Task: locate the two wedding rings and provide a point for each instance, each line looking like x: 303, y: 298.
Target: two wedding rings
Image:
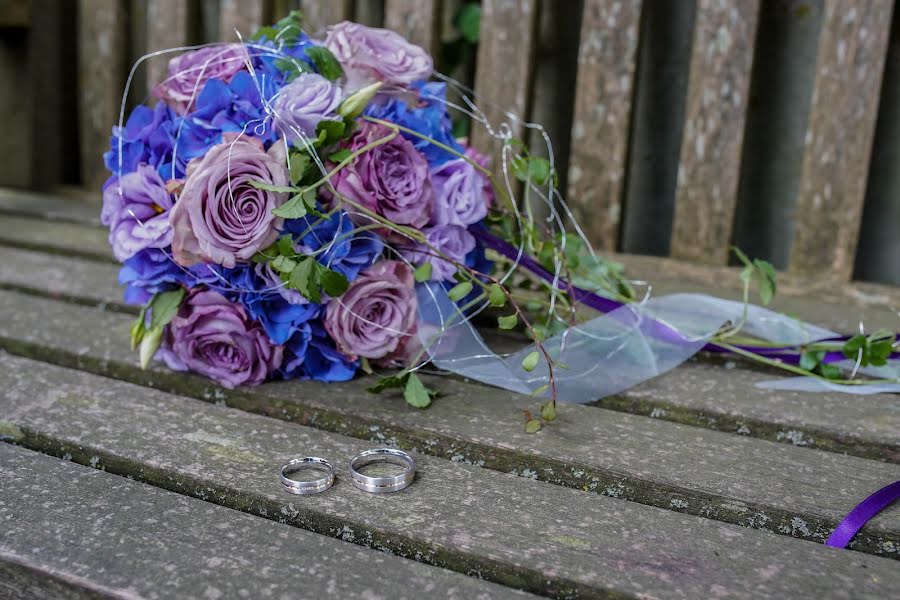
x: 366, y: 483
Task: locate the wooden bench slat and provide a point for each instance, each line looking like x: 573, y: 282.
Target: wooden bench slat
x: 721, y: 476
x: 104, y: 534
x: 59, y: 237
x: 50, y: 207
x: 709, y: 167
x: 416, y: 20
x: 601, y: 123
x: 245, y: 16
x: 726, y: 401
x: 102, y: 58
x: 504, y: 68
x: 319, y: 14
x: 167, y: 27
x: 528, y: 534
x: 852, y: 50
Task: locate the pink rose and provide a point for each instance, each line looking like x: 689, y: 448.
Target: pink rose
x: 369, y: 54
x: 376, y: 317
x: 220, y: 216
x: 189, y: 72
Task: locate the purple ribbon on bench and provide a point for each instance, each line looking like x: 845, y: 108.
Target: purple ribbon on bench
x: 860, y: 515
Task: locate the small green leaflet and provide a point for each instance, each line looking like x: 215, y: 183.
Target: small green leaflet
x: 269, y: 187
x: 164, y: 307
x: 333, y: 283
x: 532, y: 426
x: 460, y: 291
x: 138, y: 327
x: 386, y: 383
x: 496, y: 295
x: 508, y: 322
x: 531, y: 361
x: 548, y: 411
x: 423, y: 272
x: 340, y: 155
x: 311, y: 278
x: 283, y: 264
x: 325, y: 62
x: 763, y: 271
x: 870, y: 350
x: 468, y: 21
x: 329, y: 132
x: 535, y: 169
x: 298, y: 206
x: 299, y: 162
x: 415, y: 393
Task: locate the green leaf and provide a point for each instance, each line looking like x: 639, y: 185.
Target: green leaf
x: 548, y: 411
x: 415, y: 392
x: 283, y: 264
x: 299, y: 162
x: 303, y: 279
x: 880, y: 351
x: 295, y: 208
x: 389, y: 382
x: 138, y: 327
x: 340, y: 155
x: 149, y: 345
x: 329, y: 132
x: 423, y: 272
x: 854, y: 345
x: 539, y: 170
x: 531, y: 361
x: 268, y: 187
x: 540, y: 390
x: 333, y: 283
x: 809, y: 359
x: 285, y: 246
x: 460, y: 291
x: 496, y: 295
x: 508, y: 322
x: 468, y: 21
x: 829, y: 371
x: 741, y: 256
x: 532, y: 426
x: 325, y: 62
x: 164, y: 307
x: 767, y: 287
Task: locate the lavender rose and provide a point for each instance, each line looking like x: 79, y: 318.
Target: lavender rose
x: 303, y: 103
x: 216, y: 338
x: 459, y: 194
x: 452, y: 241
x: 376, y: 317
x: 189, y: 72
x: 135, y: 207
x: 391, y: 179
x: 220, y: 216
x: 369, y: 54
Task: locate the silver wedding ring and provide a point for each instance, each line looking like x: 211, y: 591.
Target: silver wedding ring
x: 382, y: 485
x: 312, y: 486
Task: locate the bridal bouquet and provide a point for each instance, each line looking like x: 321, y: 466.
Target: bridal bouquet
x: 300, y: 208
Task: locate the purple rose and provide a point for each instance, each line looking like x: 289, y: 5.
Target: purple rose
x: 452, y: 241
x: 376, y: 317
x: 459, y: 194
x: 303, y: 103
x: 135, y: 207
x: 369, y: 54
x: 391, y: 179
x: 214, y: 337
x: 189, y: 72
x: 219, y: 216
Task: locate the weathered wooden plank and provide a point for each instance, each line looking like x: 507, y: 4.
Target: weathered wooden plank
x: 17, y: 105
x: 600, y: 129
x: 709, y: 166
x: 59, y: 237
x: 119, y: 538
x: 852, y: 52
x: 698, y: 393
x: 15, y: 13
x: 102, y: 58
x: 742, y: 480
x: 243, y: 16
x: 528, y: 534
x: 504, y: 69
x: 167, y: 27
x: 319, y: 14
x: 54, y: 208
x: 417, y: 20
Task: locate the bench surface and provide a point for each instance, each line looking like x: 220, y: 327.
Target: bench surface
x: 120, y: 482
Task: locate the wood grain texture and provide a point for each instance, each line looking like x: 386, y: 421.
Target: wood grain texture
x: 715, y: 113
x: 245, y: 16
x: 167, y: 27
x: 743, y: 481
x: 600, y: 128
x: 504, y: 68
x: 528, y: 534
x: 416, y: 20
x: 102, y: 56
x: 102, y: 533
x: 319, y: 14
x: 852, y: 52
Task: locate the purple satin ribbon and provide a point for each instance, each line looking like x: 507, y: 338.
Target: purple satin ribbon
x: 787, y: 354
x: 860, y: 515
